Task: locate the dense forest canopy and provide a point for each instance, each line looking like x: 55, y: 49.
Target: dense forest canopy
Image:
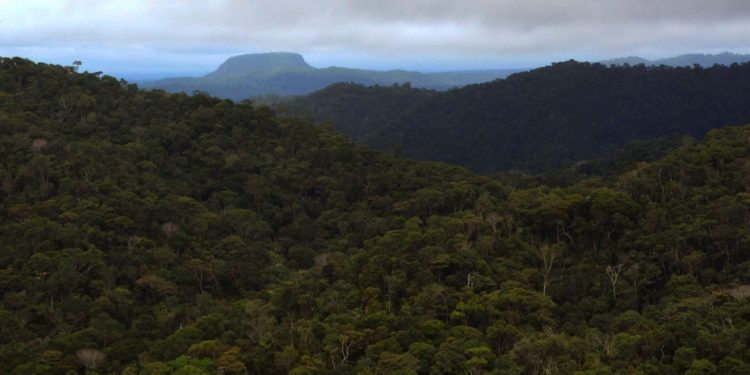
x: 541, y: 119
x: 151, y: 233
x: 356, y: 110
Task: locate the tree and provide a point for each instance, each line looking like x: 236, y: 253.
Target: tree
x: 340, y: 344
x: 259, y: 323
x: 613, y: 273
x: 548, y: 255
x: 231, y: 363
x: 90, y: 358
x: 75, y: 66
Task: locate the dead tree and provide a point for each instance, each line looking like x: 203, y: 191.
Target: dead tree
x: 548, y: 255
x: 90, y: 358
x: 614, y: 273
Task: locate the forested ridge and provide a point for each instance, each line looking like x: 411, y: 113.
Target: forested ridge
x: 356, y: 110
x: 151, y: 233
x: 541, y: 119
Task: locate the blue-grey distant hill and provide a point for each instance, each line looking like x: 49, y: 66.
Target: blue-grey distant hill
x: 690, y: 59
x: 282, y: 73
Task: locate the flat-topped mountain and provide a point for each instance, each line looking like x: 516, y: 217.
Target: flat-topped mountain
x: 690, y: 59
x: 259, y: 64
x: 283, y: 73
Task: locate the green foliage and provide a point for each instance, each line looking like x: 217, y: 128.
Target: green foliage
x: 148, y: 233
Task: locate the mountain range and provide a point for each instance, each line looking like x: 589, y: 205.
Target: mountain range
x: 283, y: 73
x: 690, y: 59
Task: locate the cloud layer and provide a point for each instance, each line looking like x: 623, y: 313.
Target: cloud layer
x: 381, y: 33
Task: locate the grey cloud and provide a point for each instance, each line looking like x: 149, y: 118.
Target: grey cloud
x: 500, y: 28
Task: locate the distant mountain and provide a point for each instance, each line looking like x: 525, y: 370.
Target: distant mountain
x: 282, y: 73
x: 259, y: 65
x: 630, y: 60
x: 455, y: 79
x: 540, y: 119
x: 705, y: 60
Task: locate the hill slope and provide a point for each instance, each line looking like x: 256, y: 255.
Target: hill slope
x: 147, y: 233
x: 356, y: 110
x: 245, y: 76
x: 539, y: 119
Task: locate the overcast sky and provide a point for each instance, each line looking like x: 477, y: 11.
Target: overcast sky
x: 150, y: 38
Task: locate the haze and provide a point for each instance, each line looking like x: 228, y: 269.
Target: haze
x: 150, y: 39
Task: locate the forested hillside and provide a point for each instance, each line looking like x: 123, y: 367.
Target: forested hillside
x: 151, y: 233
x: 540, y: 119
x: 356, y: 110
